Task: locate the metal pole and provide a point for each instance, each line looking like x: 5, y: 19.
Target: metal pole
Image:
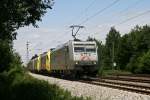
x: 27, y: 45
x: 113, y: 54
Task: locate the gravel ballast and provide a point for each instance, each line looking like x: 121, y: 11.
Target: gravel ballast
x: 93, y: 91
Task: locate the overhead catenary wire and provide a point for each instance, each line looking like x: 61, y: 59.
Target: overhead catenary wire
x: 54, y: 40
x: 100, y: 11
x: 64, y: 36
x: 124, y: 21
x: 130, y: 6
x: 83, y: 11
x: 61, y: 37
x: 133, y: 17
x: 92, y: 3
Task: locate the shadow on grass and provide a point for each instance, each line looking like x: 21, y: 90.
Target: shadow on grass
x: 29, y: 88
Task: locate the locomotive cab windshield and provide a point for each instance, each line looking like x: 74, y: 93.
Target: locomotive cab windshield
x: 85, y: 52
x: 79, y: 49
x: 85, y: 48
x: 91, y: 50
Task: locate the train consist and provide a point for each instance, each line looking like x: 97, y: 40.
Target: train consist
x: 74, y: 58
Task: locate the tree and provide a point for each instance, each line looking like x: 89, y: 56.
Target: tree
x: 111, y: 47
x: 124, y: 52
x: 132, y: 46
x: 15, y: 14
x: 144, y: 63
x: 100, y: 51
x: 90, y: 39
x: 19, y: 13
x: 6, y: 55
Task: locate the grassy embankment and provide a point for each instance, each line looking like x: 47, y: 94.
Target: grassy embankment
x: 18, y: 85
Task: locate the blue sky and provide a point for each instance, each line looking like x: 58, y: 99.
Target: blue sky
x: 54, y: 28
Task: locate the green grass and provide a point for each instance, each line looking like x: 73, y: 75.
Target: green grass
x: 39, y: 90
x: 20, y: 86
x: 114, y: 72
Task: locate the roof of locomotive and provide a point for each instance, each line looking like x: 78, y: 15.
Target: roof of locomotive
x: 74, y: 42
x: 84, y: 42
x: 65, y: 44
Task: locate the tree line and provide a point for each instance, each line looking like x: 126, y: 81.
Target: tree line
x: 129, y: 52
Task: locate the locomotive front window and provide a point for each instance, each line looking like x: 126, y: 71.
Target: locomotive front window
x: 90, y: 50
x: 79, y: 49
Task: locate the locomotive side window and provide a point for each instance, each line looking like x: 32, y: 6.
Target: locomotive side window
x: 90, y: 49
x: 79, y: 49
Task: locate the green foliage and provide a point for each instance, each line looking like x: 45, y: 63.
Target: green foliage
x: 19, y: 13
x: 100, y: 56
x: 13, y: 73
x: 14, y: 83
x: 132, y: 48
x: 144, y: 63
x: 24, y: 87
x: 115, y: 72
x: 6, y: 55
x: 4, y: 87
x: 111, y: 48
x: 128, y: 50
x: 33, y: 89
x: 124, y: 52
x: 141, y: 64
x: 16, y: 14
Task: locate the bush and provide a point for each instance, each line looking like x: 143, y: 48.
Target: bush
x: 132, y: 65
x: 16, y: 84
x: 5, y: 55
x: 33, y: 89
x: 24, y: 87
x: 144, y: 64
x: 4, y: 87
x: 141, y: 64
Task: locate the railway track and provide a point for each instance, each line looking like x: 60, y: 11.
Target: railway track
x: 129, y: 78
x: 127, y: 85
x: 133, y: 84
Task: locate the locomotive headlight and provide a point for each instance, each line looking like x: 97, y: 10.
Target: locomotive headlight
x: 76, y: 62
x: 94, y: 62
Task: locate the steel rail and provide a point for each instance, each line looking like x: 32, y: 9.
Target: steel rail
x: 122, y: 86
